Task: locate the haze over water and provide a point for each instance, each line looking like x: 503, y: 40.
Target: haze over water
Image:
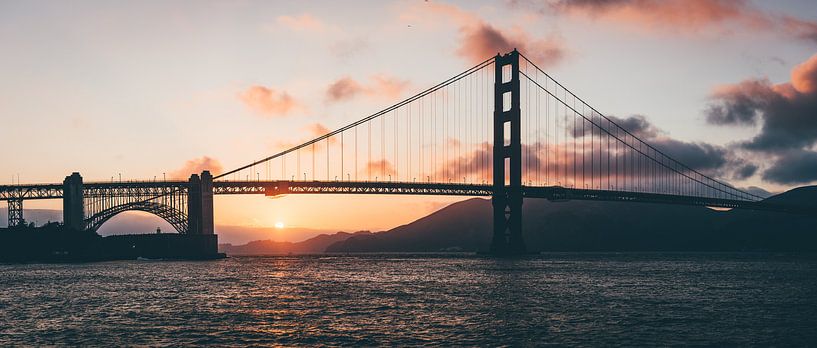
x: 570, y: 298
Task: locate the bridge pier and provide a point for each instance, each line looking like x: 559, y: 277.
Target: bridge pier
x: 73, y: 205
x: 200, y: 204
x: 507, y: 151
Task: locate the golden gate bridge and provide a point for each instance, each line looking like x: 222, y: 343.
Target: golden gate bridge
x: 503, y: 129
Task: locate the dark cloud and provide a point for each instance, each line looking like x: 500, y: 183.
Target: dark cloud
x: 740, y: 104
x: 745, y: 171
x: 637, y: 125
x: 793, y: 168
x: 787, y: 113
x: 788, y: 116
x: 706, y: 158
x: 703, y: 157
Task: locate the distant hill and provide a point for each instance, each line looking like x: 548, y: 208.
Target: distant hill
x: 38, y: 216
x: 604, y: 226
x: 312, y: 245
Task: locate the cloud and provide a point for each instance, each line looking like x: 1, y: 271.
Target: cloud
x: 379, y: 86
x: 473, y: 164
x: 787, y: 115
x: 739, y: 104
x: 313, y: 130
x: 269, y: 102
x: 342, y: 89
x: 793, y: 168
x: 480, y: 40
x: 746, y: 171
x: 558, y: 159
x: 699, y: 156
x: 703, y: 157
x: 305, y: 22
x: 196, y: 166
x: 637, y: 125
x: 787, y: 111
x: 317, y: 129
x: 689, y: 16
x: 380, y: 170
x: 806, y: 30
x: 706, y: 158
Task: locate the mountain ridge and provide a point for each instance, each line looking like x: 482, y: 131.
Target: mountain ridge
x: 604, y: 226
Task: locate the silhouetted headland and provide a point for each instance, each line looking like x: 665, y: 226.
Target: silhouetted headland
x: 54, y: 242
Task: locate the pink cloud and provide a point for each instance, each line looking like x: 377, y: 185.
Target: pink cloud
x: 379, y: 86
x: 196, y: 166
x: 317, y: 129
x: 342, y: 89
x: 689, y: 16
x: 804, y: 76
x: 268, y: 101
x: 480, y: 40
x: 379, y: 170
x: 313, y: 131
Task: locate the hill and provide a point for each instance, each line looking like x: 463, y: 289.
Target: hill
x: 604, y: 226
x: 312, y: 245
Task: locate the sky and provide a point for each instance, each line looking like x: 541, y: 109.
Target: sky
x: 167, y: 88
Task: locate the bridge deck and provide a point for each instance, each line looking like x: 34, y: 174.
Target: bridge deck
x: 275, y: 188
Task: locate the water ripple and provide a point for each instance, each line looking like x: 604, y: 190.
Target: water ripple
x: 562, y: 299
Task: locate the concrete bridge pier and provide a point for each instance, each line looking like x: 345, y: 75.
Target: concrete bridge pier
x: 200, y: 204
x: 73, y: 207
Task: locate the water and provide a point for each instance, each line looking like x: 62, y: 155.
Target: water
x: 562, y: 299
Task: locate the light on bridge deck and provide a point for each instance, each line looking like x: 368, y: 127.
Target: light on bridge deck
x: 276, y: 190
x: 719, y: 208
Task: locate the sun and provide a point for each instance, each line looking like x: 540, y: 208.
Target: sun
x: 279, y: 224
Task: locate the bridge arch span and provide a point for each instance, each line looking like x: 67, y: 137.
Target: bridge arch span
x: 173, y: 216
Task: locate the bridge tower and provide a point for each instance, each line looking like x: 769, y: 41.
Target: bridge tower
x: 73, y: 208
x: 507, y: 157
x: 200, y: 204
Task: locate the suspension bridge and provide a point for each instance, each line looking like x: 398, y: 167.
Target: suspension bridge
x: 503, y: 129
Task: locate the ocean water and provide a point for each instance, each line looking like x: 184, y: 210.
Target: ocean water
x: 561, y: 299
